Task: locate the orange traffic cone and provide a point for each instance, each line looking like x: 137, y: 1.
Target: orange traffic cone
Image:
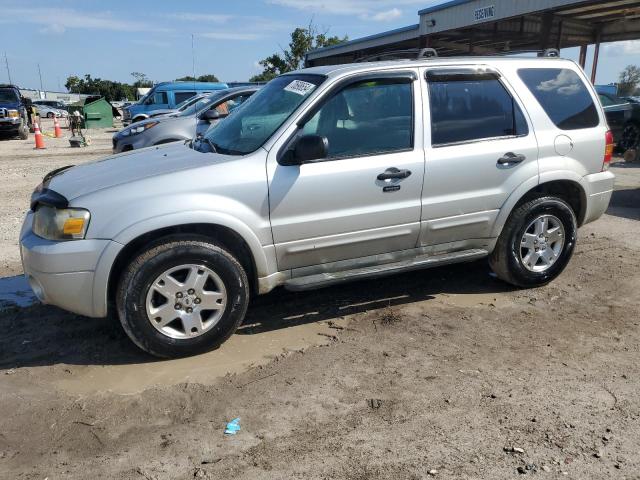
x: 39, y: 139
x: 56, y: 128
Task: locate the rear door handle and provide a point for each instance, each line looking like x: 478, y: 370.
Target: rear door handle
x: 393, y: 173
x: 511, y: 158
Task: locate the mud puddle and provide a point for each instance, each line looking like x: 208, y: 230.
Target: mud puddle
x: 236, y: 355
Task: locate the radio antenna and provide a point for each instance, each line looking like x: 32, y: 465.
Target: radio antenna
x: 193, y: 74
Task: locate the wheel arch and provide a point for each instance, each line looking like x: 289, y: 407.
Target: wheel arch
x: 568, y: 187
x: 224, y: 236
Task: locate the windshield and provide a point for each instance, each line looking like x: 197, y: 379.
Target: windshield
x: 189, y: 101
x: 8, y: 96
x: 251, y: 126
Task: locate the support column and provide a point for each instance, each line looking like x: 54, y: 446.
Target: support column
x: 583, y: 56
x: 596, y: 56
x: 545, y: 30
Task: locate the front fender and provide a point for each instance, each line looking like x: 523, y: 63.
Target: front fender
x: 264, y: 265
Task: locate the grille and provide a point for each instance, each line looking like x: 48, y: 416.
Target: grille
x: 3, y: 112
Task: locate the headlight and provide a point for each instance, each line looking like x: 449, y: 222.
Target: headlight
x: 13, y: 114
x: 138, y: 129
x: 60, y: 224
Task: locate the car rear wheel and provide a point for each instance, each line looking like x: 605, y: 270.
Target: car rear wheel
x: 630, y: 138
x: 49, y: 115
x: 182, y: 297
x: 536, y: 243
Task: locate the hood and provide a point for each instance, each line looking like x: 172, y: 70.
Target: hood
x: 10, y: 105
x: 129, y: 167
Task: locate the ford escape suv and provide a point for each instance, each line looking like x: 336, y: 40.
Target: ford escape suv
x: 326, y: 175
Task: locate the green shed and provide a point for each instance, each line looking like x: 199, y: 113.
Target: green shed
x: 97, y: 113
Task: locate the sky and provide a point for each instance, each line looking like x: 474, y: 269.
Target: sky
x: 111, y: 39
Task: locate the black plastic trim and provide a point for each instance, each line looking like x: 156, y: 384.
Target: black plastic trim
x: 48, y: 197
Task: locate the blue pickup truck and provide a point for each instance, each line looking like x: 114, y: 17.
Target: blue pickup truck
x: 14, y: 120
x: 167, y: 95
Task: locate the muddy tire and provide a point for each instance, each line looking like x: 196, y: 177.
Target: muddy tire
x: 23, y: 133
x: 182, y: 297
x: 536, y: 243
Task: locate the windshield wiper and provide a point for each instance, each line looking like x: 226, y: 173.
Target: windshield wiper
x: 213, y: 146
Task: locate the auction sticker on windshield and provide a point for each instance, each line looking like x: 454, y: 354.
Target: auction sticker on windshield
x: 299, y: 87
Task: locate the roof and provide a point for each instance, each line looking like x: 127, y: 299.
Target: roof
x: 408, y: 28
x: 189, y: 84
x: 333, y: 70
x: 442, y: 6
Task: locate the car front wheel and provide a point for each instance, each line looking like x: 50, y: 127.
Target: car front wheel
x: 536, y: 243
x: 182, y: 297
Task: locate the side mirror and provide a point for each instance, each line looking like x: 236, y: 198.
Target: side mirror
x: 307, y: 149
x: 211, y: 114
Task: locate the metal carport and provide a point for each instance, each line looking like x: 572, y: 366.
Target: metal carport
x: 481, y: 27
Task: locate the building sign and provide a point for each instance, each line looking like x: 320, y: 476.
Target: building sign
x: 484, y: 13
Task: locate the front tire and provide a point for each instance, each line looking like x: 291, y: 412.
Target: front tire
x: 536, y: 243
x: 182, y: 297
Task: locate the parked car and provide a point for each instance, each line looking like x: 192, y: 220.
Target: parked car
x: 326, y: 175
x: 51, y: 103
x: 167, y: 95
x: 189, y: 123
x: 624, y: 120
x: 13, y: 112
x: 50, y: 112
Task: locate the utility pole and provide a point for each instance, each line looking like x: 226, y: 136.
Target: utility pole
x: 6, y: 61
x: 40, y: 74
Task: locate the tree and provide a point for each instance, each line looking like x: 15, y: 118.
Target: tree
x: 96, y: 86
x: 202, y: 78
x: 302, y: 41
x: 629, y: 80
x: 142, y: 81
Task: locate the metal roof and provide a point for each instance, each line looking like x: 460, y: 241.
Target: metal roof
x: 442, y: 6
x: 455, y: 28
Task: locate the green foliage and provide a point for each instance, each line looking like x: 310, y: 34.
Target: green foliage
x: 302, y: 41
x: 202, y: 78
x: 96, y: 86
x: 629, y: 80
x: 142, y: 81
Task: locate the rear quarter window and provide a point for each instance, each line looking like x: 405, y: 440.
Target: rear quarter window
x: 563, y: 96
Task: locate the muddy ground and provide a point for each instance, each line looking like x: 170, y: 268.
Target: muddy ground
x: 434, y: 374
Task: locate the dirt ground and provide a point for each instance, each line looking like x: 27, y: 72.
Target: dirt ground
x: 444, y: 373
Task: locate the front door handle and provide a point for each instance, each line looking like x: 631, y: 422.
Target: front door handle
x: 393, y: 173
x: 511, y: 158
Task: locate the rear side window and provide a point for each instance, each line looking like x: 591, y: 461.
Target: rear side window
x: 466, y: 108
x: 182, y: 96
x: 563, y: 96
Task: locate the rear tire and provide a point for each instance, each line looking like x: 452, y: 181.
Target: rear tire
x: 527, y: 253
x: 182, y: 297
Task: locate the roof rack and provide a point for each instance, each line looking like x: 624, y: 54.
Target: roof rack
x: 427, y: 53
x: 409, y: 54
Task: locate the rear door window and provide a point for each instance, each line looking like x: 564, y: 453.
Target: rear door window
x: 468, y: 107
x: 563, y: 96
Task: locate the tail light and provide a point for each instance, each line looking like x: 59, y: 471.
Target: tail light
x: 608, y: 150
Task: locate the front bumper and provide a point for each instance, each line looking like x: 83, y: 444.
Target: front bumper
x: 66, y: 274
x: 7, y: 124
x: 598, y: 189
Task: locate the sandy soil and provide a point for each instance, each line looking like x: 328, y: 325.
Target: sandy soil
x: 444, y: 371
x: 22, y: 168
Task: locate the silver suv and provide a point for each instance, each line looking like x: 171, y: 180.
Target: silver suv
x: 326, y: 175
